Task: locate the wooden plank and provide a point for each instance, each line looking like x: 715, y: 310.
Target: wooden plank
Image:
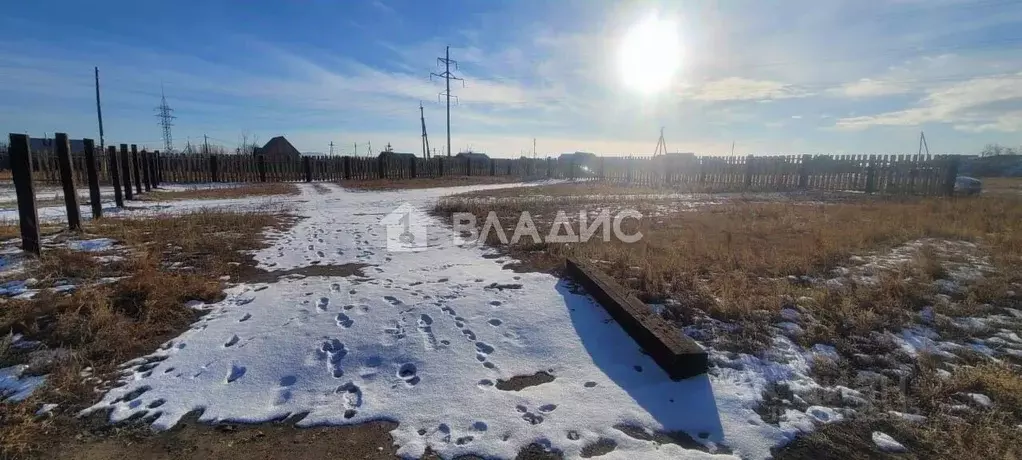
x: 145, y: 171
x: 93, y: 178
x: 21, y: 170
x: 126, y: 172
x: 136, y: 170
x: 676, y: 354
x: 67, y: 180
x: 115, y: 175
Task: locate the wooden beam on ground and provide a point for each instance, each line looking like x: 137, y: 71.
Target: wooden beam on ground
x: 679, y: 356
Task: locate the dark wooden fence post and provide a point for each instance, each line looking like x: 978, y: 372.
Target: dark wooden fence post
x: 115, y: 176
x: 380, y: 169
x: 347, y: 168
x: 145, y: 171
x: 261, y: 165
x: 803, y: 172
x: 67, y: 180
x: 468, y: 165
x: 93, y: 176
x: 952, y: 175
x: 748, y: 171
x: 21, y: 170
x: 307, y: 168
x: 153, y: 166
x: 214, y: 172
x: 549, y: 167
x: 871, y: 175
x: 413, y: 167
x: 493, y: 167
x: 441, y: 166
x: 136, y: 170
x: 158, y: 162
x: 126, y: 172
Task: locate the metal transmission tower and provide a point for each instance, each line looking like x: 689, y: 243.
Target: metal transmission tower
x: 446, y: 61
x: 425, y: 139
x: 922, y: 144
x: 661, y: 146
x: 163, y: 112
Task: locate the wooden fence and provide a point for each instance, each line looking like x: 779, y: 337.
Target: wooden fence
x: 132, y: 172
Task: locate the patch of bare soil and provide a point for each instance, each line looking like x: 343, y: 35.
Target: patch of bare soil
x: 253, y: 274
x: 521, y: 382
x: 191, y: 439
x: 320, y: 188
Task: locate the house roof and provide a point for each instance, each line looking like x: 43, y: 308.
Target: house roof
x: 279, y: 145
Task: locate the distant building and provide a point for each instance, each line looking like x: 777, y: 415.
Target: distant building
x: 390, y: 153
x: 279, y: 149
x: 474, y: 156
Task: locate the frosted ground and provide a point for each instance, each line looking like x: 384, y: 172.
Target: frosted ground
x: 425, y: 338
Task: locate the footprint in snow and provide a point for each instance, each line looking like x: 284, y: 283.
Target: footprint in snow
x: 236, y: 373
x: 407, y: 373
x: 344, y: 321
x: 245, y: 318
x: 351, y: 395
x: 393, y: 300
x: 469, y: 334
x: 484, y: 348
x: 336, y: 287
x: 323, y: 303
x: 230, y: 343
x: 495, y: 322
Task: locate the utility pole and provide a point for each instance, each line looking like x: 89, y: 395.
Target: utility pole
x: 447, y: 76
x: 331, y: 148
x: 99, y: 112
x: 205, y: 144
x: 369, y: 151
x: 163, y: 112
x: 661, y: 146
x: 425, y: 139
x: 534, y: 148
x: 922, y: 143
x: 732, y: 148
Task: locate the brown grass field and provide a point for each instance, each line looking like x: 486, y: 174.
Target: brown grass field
x: 104, y: 324
x: 741, y: 259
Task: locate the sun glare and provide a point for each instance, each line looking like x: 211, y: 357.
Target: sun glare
x: 650, y: 54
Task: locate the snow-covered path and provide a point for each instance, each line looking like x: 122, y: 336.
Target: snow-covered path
x: 421, y: 340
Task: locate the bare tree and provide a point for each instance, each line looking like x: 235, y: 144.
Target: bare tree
x: 991, y: 150
x: 249, y: 144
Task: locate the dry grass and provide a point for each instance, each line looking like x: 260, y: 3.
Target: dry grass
x: 742, y: 259
x: 242, y: 191
x: 102, y: 325
x: 449, y: 181
x: 1003, y: 185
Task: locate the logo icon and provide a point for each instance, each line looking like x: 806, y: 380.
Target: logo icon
x: 406, y: 229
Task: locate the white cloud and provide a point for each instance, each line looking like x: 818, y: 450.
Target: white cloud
x: 868, y: 87
x: 742, y: 89
x: 974, y: 105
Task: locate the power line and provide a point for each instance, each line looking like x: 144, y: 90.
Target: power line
x: 447, y: 76
x: 164, y: 114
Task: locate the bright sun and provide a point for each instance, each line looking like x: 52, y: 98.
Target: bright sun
x: 650, y: 54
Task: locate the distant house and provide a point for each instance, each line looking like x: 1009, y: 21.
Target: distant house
x: 391, y: 154
x: 279, y: 149
x: 577, y: 158
x: 474, y: 156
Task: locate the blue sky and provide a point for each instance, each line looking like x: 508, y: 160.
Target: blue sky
x: 791, y: 76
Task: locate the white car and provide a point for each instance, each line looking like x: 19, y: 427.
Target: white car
x: 965, y: 185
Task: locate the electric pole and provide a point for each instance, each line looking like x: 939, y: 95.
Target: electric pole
x: 447, y: 76
x: 425, y: 139
x: 164, y: 114
x: 534, y: 148
x: 922, y: 143
x: 99, y: 112
x: 205, y: 144
x: 661, y: 146
x: 369, y: 151
x: 331, y: 148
